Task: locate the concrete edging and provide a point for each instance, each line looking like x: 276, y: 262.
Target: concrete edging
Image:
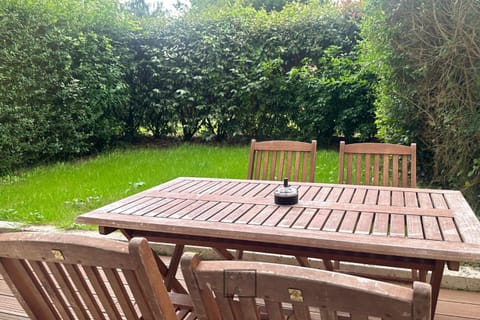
x: 468, y: 278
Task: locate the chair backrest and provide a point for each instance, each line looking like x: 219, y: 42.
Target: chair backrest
x: 380, y: 164
x: 279, y: 159
x: 66, y: 276
x: 256, y: 290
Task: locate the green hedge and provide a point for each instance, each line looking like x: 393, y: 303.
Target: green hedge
x: 77, y: 76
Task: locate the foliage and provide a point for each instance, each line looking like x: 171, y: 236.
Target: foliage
x: 60, y: 79
x: 80, y: 76
x: 427, y: 55
x: 227, y: 70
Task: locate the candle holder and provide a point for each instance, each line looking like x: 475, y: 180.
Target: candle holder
x: 286, y: 195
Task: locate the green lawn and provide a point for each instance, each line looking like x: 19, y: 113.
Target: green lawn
x: 56, y: 194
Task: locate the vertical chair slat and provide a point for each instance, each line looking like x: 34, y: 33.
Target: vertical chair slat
x: 386, y: 169
x: 376, y: 169
x: 305, y: 166
x: 248, y: 309
x: 349, y: 168
x: 274, y: 309
x: 258, y: 166
x: 281, y: 165
x: 301, y: 312
x: 368, y: 168
x: 137, y: 290
x: 121, y: 293
x: 395, y: 170
x: 296, y: 170
x: 358, y: 171
x: 405, y: 173
x: 68, y: 290
x: 264, y: 169
x: 98, y: 283
x: 27, y: 289
x: 289, y: 164
x: 42, y: 273
x: 272, y: 165
x: 77, y: 277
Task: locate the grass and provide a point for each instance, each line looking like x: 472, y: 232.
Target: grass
x: 56, y: 194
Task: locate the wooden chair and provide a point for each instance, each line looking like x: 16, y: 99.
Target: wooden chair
x: 279, y: 159
x: 255, y: 290
x: 66, y: 276
x: 381, y: 164
x: 378, y: 164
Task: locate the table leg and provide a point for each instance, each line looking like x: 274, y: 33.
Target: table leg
x: 169, y: 273
x: 435, y: 282
x: 173, y: 266
x: 225, y: 254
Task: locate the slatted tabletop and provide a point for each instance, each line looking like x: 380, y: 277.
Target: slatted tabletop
x: 423, y: 223
x: 402, y: 227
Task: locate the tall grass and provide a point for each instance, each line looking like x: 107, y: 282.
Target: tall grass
x: 56, y: 194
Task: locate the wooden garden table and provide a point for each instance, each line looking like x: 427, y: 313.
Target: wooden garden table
x: 419, y: 229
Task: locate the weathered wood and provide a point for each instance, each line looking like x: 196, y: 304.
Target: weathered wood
x: 225, y: 288
x: 279, y: 159
x: 392, y: 165
x: 67, y: 276
x: 393, y: 226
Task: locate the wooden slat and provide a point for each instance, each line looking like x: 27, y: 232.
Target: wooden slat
x: 414, y: 227
x: 224, y: 212
x: 452, y: 305
x: 304, y: 220
x: 448, y: 229
x: 431, y: 228
x: 349, y: 222
x: 212, y: 211
x: 62, y: 278
x: 290, y: 217
x: 365, y: 223
x: 334, y: 220
x: 250, y: 214
x: 319, y: 220
x: 190, y: 205
x: 397, y: 225
x: 77, y: 277
x: 240, y: 211
x: 380, y: 225
x: 275, y: 218
x: 263, y: 215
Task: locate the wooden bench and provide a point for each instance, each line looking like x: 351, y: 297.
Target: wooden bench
x: 67, y: 276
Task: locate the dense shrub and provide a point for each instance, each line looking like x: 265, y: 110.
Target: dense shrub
x: 228, y: 71
x: 60, y: 80
x: 427, y: 55
x: 76, y: 76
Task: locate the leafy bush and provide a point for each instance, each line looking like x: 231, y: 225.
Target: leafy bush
x: 81, y: 75
x: 60, y: 80
x: 426, y: 54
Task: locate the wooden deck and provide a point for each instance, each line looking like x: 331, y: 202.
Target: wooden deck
x: 452, y: 305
